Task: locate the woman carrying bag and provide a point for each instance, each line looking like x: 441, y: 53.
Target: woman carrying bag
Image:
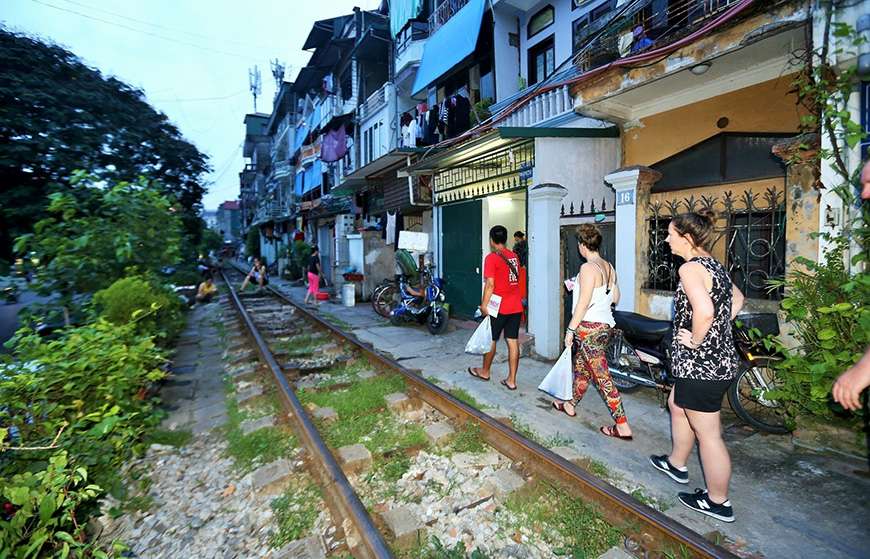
x: 589, y: 333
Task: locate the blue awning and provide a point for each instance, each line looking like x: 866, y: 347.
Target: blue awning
x: 452, y: 42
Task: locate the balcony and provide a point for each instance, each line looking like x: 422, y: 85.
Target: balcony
x: 376, y: 101
x: 269, y: 211
x: 443, y: 13
x: 539, y: 109
x: 661, y: 27
x: 409, y: 45
x: 281, y: 170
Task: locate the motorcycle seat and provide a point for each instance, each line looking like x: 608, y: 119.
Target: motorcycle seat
x: 642, y: 327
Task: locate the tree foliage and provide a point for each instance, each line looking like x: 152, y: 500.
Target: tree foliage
x: 58, y: 115
x: 96, y: 234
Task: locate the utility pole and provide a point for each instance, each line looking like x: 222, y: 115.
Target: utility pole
x: 277, y: 73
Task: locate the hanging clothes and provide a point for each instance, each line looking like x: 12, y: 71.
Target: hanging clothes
x: 461, y: 114
x: 392, y: 236
x: 430, y: 135
x: 399, y: 226
x: 334, y: 145
x: 382, y: 225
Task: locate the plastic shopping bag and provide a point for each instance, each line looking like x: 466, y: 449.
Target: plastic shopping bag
x: 481, y: 340
x: 559, y: 382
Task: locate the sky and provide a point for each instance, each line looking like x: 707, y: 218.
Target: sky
x: 190, y: 57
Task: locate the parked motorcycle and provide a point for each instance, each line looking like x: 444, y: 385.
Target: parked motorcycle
x: 427, y: 305
x: 639, y: 355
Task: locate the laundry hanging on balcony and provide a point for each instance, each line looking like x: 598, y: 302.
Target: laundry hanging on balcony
x: 334, y: 145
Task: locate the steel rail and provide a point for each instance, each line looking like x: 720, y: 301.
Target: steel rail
x: 345, y: 504
x: 651, y: 530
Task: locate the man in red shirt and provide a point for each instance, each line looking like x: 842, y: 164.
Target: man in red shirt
x: 501, y: 270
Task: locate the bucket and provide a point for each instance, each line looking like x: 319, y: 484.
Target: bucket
x: 322, y: 296
x: 348, y: 294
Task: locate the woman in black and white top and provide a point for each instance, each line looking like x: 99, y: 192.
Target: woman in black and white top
x: 704, y: 363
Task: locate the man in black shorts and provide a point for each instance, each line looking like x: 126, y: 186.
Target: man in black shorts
x: 501, y: 272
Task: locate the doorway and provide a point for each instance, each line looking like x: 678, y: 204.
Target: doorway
x: 462, y: 256
x: 571, y: 259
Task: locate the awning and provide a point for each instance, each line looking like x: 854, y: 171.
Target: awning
x: 376, y: 170
x: 453, y: 41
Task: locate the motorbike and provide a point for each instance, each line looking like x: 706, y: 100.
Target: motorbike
x: 639, y: 355
x: 427, y: 306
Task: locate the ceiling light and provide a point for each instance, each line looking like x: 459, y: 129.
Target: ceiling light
x: 699, y: 69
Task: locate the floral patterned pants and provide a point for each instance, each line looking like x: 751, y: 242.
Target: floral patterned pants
x: 590, y: 365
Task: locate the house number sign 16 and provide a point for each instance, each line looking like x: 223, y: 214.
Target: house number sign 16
x: 625, y: 197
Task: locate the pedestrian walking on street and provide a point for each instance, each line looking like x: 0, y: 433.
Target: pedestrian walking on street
x: 595, y: 289
x: 314, y: 274
x: 521, y: 248
x: 704, y: 363
x: 501, y: 301
x: 257, y: 275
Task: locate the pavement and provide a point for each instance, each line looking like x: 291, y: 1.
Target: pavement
x: 788, y: 501
x: 194, y: 395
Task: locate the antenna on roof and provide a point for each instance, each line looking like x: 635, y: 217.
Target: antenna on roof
x: 255, y: 84
x: 278, y: 73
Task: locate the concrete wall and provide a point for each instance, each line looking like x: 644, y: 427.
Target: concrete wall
x: 507, y: 66
x: 578, y: 164
x: 765, y: 107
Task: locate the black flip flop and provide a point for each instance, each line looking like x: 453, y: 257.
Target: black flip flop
x: 475, y: 375
x: 560, y: 406
x: 506, y: 385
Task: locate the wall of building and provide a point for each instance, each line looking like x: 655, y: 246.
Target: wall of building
x: 507, y: 73
x: 578, y: 164
x: 765, y: 107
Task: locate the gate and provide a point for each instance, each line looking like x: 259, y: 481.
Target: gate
x: 462, y: 255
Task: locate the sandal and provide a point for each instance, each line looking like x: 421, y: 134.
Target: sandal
x: 611, y: 431
x: 477, y: 376
x: 506, y: 385
x: 560, y: 406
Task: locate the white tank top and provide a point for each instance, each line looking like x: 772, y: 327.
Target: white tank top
x: 599, y: 306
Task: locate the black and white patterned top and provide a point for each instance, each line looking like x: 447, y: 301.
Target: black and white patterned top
x: 716, y: 357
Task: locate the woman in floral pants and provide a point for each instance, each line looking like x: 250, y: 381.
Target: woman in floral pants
x: 589, y: 332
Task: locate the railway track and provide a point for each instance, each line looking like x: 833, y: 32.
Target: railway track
x: 645, y: 531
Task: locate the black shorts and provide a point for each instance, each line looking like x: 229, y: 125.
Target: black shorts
x: 700, y: 395
x: 507, y: 323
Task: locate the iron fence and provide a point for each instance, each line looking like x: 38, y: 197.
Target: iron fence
x: 751, y: 226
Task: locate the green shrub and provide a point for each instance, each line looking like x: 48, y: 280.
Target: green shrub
x: 829, y: 311
x: 252, y: 243
x: 73, y: 410
x: 299, y: 253
x: 127, y: 299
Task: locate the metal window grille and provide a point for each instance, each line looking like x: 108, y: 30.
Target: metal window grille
x: 751, y: 226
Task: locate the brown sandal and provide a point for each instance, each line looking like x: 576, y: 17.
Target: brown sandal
x: 560, y: 406
x: 611, y: 431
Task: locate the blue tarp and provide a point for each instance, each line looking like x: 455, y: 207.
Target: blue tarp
x: 313, y: 176
x: 401, y: 11
x: 452, y: 42
x: 297, y: 183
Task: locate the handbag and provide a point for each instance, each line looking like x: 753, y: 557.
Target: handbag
x: 559, y: 382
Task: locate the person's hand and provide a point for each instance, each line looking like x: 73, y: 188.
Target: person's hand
x: 483, y: 310
x: 685, y: 337
x: 847, y: 390
x: 569, y: 338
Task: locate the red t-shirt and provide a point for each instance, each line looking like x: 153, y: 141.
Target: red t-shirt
x: 507, y: 285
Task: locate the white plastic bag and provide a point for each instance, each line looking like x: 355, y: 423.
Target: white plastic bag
x: 481, y: 340
x: 559, y: 382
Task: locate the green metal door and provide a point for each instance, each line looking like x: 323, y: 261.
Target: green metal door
x: 461, y: 252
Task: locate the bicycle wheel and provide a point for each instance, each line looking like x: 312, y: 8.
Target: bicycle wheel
x: 747, y: 398
x: 385, y: 300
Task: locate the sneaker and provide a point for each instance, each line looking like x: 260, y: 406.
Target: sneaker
x: 662, y: 464
x: 700, y: 502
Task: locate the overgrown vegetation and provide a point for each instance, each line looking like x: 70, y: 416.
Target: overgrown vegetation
x: 825, y: 304
x: 73, y: 411
x: 526, y: 430
x: 130, y: 297
x: 462, y: 394
x: 572, y: 527
x: 296, y: 510
x: 259, y: 447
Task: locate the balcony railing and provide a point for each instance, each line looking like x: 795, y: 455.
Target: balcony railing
x: 544, y: 107
x: 660, y: 27
x: 444, y: 12
x: 376, y: 101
